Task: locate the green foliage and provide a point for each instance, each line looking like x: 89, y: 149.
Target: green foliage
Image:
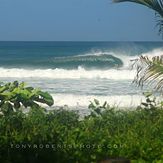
x: 14, y: 96
x: 60, y: 136
x: 97, y: 109
x: 150, y: 71
x: 150, y: 103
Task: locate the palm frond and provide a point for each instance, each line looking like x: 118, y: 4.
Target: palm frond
x: 150, y: 71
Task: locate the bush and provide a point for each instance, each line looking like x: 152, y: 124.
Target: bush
x: 61, y: 137
x: 15, y: 96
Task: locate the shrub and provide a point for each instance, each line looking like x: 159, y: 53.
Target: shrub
x: 14, y: 96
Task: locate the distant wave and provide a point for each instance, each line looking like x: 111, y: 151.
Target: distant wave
x: 104, y: 61
x: 101, y: 59
x: 114, y: 74
x: 92, y: 61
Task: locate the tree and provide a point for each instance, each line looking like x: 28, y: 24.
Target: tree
x: 150, y: 70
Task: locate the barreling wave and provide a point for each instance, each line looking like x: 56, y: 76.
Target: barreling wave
x: 92, y: 61
x: 104, y: 61
x: 114, y: 74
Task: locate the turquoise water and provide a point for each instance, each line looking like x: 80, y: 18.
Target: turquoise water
x: 66, y: 54
x: 77, y: 72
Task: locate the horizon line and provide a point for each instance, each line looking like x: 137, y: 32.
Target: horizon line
x: 80, y: 41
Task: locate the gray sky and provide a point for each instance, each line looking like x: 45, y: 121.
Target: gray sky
x: 75, y: 20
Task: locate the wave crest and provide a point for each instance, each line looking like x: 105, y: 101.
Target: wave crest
x: 103, y: 61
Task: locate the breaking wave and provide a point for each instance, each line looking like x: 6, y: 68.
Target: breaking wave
x: 119, y: 74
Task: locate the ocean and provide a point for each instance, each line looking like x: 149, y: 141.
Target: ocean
x: 75, y: 73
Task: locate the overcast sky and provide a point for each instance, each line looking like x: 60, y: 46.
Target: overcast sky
x: 75, y: 20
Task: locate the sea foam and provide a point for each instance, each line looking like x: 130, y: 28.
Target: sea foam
x: 113, y: 74
x: 80, y: 101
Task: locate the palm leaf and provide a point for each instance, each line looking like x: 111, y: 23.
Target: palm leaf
x: 150, y: 71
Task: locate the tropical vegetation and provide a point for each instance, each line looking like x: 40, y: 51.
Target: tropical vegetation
x: 63, y: 136
x: 16, y: 96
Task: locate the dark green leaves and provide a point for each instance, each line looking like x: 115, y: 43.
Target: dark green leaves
x: 13, y: 96
x: 97, y: 109
x: 44, y: 97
